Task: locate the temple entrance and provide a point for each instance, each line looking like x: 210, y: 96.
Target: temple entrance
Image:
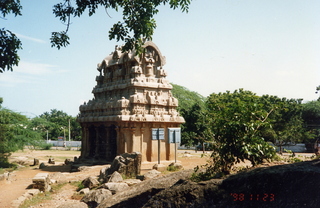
x: 92, y: 141
x: 102, y: 142
x: 111, y: 150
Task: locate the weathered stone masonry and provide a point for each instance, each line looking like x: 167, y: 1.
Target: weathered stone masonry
x: 131, y: 97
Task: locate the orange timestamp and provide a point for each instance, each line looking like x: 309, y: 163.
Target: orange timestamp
x: 265, y: 197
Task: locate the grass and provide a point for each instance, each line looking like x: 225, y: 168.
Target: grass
x: 39, y: 198
x: 77, y: 184
x: 42, y: 197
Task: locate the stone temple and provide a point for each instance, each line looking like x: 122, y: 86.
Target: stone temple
x: 132, y: 96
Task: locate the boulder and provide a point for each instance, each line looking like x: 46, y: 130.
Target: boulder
x: 90, y: 182
x: 95, y: 197
x: 128, y: 164
x: 58, y: 177
x: 115, y: 177
x: 103, y: 176
x: 115, y: 187
x: 151, y: 174
x: 138, y: 195
x: 131, y: 181
x: 41, y: 181
x: 84, y: 191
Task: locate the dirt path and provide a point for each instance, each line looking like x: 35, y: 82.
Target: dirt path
x: 20, y: 179
x: 15, y: 186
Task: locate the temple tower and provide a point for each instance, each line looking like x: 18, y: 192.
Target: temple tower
x: 132, y: 97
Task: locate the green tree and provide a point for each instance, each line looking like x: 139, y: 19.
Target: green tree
x: 192, y: 109
x: 311, y: 117
x: 195, y: 130
x: 9, y: 43
x: 187, y: 98
x: 235, y: 121
x: 286, y: 124
x: 137, y: 26
x: 14, y: 134
x: 58, y: 124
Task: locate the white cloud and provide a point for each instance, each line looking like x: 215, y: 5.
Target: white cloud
x: 28, y: 72
x: 30, y: 38
x: 34, y: 68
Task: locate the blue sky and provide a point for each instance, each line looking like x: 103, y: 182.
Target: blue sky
x: 266, y: 46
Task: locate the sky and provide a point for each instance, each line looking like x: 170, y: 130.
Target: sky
x: 266, y: 46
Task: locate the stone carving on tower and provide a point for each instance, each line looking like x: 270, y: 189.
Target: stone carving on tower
x: 132, y: 96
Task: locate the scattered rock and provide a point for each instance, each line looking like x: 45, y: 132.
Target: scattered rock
x: 4, y: 176
x: 103, y: 176
x: 128, y: 164
x: 67, y: 161
x: 42, y: 165
x: 138, y: 195
x: 187, y: 155
x: 175, y: 166
x: 58, y: 177
x: 41, y: 181
x: 151, y: 174
x: 95, y: 197
x: 115, y: 177
x: 35, y: 162
x: 160, y: 167
x: 131, y: 182
x: 90, y: 182
x: 51, y: 161
x: 115, y: 187
x: 84, y: 191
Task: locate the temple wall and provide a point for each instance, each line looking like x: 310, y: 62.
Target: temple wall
x: 131, y: 97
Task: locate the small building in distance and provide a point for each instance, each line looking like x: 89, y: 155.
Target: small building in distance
x: 131, y: 99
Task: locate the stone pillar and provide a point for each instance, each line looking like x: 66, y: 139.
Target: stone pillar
x: 142, y: 148
x: 86, y: 142
x: 126, y: 139
x: 134, y: 141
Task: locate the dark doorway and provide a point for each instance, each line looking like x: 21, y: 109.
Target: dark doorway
x: 112, y: 143
x: 92, y: 141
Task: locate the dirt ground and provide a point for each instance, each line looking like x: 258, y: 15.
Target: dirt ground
x: 21, y: 179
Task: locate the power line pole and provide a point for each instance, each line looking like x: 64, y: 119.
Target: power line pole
x: 69, y: 131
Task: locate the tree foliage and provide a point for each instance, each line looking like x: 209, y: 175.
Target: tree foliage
x: 138, y: 23
x: 9, y: 43
x: 137, y: 26
x: 192, y: 109
x: 311, y: 117
x: 235, y: 121
x: 56, y: 122
x: 286, y: 123
x: 196, y: 129
x: 15, y: 133
x: 187, y: 98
